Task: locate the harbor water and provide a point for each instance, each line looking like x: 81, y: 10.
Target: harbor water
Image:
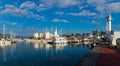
x: 29, y: 54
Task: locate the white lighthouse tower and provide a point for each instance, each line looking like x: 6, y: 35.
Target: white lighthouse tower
x: 108, y: 26
x: 109, y: 19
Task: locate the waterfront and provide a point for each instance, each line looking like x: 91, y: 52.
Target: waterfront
x: 26, y: 54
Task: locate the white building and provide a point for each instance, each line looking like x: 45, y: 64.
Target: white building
x: 116, y: 34
x: 41, y: 35
x: 36, y: 35
x: 47, y: 35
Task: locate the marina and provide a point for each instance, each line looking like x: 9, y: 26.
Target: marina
x: 25, y: 54
x: 54, y: 49
x: 59, y: 33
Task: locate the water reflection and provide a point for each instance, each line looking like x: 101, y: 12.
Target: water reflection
x: 38, y: 54
x: 59, y: 46
x: 4, y: 51
x: 4, y: 54
x: 38, y: 45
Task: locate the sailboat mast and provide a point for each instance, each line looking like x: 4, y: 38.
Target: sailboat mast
x: 3, y: 31
x: 11, y: 35
x: 51, y: 32
x: 61, y: 32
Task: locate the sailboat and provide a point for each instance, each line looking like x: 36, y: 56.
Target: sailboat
x: 3, y: 40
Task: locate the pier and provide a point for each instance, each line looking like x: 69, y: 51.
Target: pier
x: 101, y: 55
x: 108, y: 56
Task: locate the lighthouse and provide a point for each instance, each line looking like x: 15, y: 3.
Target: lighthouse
x: 108, y: 27
x: 109, y: 19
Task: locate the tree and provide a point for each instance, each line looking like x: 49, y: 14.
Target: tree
x: 72, y: 34
x: 94, y: 33
x: 31, y: 37
x: 0, y: 35
x: 102, y: 33
x: 67, y: 36
x: 83, y: 35
x: 77, y: 35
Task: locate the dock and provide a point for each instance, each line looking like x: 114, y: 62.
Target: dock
x: 108, y: 56
x: 101, y: 55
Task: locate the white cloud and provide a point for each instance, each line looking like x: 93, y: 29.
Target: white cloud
x: 96, y: 2
x: 83, y: 13
x: 60, y: 3
x: 94, y: 22
x: 36, y: 16
x: 14, y: 23
x: 12, y: 10
x: 41, y: 7
x: 101, y: 8
x: 8, y: 22
x: 47, y: 4
x: 114, y: 7
x: 81, y: 7
x: 19, y: 12
x: 28, y: 5
x: 39, y: 17
x: 59, y: 13
x: 105, y: 6
x: 10, y: 7
x: 60, y: 20
x: 110, y: 7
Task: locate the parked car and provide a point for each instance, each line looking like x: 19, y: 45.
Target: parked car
x: 118, y: 41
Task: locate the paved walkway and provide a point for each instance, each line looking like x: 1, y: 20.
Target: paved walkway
x: 108, y: 57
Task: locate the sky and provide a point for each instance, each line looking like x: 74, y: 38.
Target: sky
x: 24, y: 17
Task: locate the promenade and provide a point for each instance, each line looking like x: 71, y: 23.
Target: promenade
x: 108, y: 56
x: 101, y: 55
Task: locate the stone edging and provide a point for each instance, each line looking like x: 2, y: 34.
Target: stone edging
x: 90, y: 59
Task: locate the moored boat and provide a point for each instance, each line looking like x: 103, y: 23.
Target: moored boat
x: 60, y: 40
x: 87, y: 41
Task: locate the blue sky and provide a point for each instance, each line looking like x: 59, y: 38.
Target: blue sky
x: 74, y: 16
